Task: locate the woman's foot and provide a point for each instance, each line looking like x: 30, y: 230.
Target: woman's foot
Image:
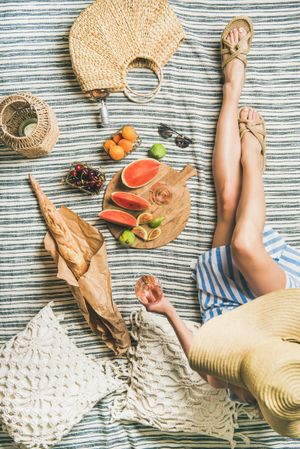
x: 234, y: 71
x: 251, y: 146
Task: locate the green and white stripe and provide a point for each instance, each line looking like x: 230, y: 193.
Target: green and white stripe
x: 35, y: 57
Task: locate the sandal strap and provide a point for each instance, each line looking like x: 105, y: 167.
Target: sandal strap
x: 234, y: 50
x: 251, y: 123
x: 236, y: 55
x: 251, y: 127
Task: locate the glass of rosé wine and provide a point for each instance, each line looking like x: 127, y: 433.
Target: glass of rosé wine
x: 148, y: 289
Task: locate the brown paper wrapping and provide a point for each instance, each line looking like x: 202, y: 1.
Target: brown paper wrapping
x: 92, y: 290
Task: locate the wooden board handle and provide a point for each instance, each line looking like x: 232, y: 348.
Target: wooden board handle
x: 186, y: 173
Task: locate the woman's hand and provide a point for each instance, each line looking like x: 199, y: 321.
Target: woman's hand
x: 164, y: 306
x: 155, y: 301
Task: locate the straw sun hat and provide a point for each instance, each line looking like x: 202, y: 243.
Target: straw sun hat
x: 112, y: 36
x: 257, y: 347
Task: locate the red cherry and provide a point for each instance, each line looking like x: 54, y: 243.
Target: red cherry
x: 73, y: 173
x: 78, y: 168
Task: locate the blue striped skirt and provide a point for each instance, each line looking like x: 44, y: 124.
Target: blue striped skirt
x: 222, y: 286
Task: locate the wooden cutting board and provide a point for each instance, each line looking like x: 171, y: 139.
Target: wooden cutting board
x: 176, y: 213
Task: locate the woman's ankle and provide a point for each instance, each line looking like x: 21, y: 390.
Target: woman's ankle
x: 250, y: 158
x: 232, y: 91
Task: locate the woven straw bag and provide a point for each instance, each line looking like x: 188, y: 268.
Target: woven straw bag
x: 112, y: 36
x: 15, y: 110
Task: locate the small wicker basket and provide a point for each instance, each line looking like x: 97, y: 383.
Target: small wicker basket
x: 19, y: 109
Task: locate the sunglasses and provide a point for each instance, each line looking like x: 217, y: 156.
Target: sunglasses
x: 166, y: 132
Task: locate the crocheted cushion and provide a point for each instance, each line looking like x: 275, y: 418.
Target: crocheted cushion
x: 47, y: 384
x: 164, y: 392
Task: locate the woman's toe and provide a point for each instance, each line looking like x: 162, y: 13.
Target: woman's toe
x: 242, y: 32
x: 250, y: 114
x: 244, y: 114
x: 235, y: 36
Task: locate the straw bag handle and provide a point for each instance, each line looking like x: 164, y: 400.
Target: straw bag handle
x: 138, y: 97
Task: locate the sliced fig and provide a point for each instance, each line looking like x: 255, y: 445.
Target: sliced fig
x: 144, y: 218
x: 154, y: 234
x: 140, y: 232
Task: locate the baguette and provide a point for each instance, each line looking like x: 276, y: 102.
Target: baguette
x: 66, y: 244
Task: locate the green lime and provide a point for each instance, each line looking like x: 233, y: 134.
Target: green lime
x: 157, y: 151
x: 127, y: 238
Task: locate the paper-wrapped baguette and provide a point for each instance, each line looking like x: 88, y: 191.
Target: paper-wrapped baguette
x: 67, y: 246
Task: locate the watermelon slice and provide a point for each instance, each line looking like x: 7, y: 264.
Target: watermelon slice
x: 118, y: 217
x: 129, y: 201
x: 140, y: 172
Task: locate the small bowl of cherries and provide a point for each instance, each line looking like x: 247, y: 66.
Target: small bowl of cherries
x: 83, y: 177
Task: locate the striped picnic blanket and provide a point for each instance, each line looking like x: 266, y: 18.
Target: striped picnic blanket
x: 35, y: 57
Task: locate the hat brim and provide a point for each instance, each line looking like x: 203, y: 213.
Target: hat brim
x: 222, y: 345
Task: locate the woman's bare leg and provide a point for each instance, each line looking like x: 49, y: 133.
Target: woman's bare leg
x: 227, y: 156
x: 262, y: 273
x: 227, y: 150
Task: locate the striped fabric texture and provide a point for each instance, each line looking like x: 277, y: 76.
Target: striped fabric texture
x: 34, y: 56
x: 222, y: 287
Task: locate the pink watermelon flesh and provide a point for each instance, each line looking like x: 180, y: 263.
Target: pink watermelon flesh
x: 118, y: 217
x: 139, y: 173
x: 130, y: 201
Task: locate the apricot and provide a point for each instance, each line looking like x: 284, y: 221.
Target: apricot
x: 108, y: 144
x: 129, y: 133
x: 126, y: 145
x: 117, y: 137
x: 117, y: 153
